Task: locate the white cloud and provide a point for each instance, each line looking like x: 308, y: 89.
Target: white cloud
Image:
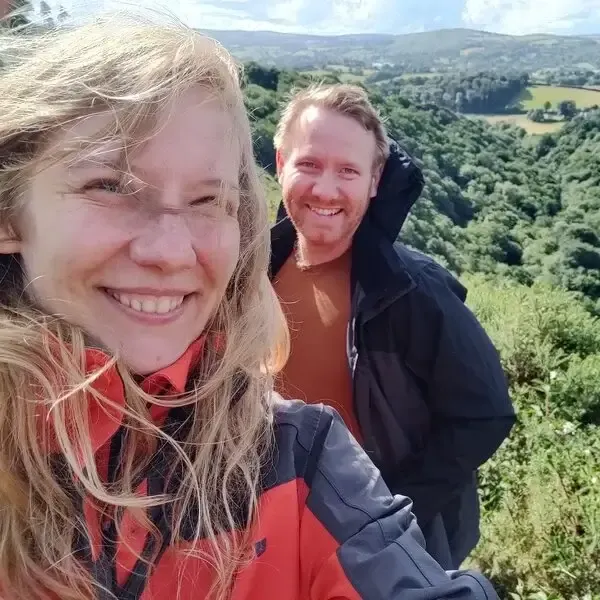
x: 299, y: 16
x: 328, y: 16
x: 528, y: 16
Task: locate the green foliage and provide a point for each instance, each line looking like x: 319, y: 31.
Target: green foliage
x: 479, y: 93
x: 537, y: 115
x: 262, y: 76
x: 541, y: 492
x: 567, y: 108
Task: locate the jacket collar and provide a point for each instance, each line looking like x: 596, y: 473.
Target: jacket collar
x: 105, y: 419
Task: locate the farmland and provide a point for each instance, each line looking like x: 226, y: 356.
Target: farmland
x: 535, y: 96
x: 344, y: 74
x: 529, y: 126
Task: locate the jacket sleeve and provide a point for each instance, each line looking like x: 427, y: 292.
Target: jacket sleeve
x: 357, y: 541
x: 466, y: 391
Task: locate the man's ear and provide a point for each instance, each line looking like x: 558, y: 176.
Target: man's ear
x: 279, y: 163
x: 9, y: 240
x: 375, y: 179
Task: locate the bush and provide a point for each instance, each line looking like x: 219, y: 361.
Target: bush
x: 540, y: 493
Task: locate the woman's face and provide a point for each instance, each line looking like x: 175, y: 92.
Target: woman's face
x: 140, y: 261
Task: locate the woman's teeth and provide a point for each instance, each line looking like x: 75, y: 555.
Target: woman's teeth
x: 149, y: 304
x: 325, y: 212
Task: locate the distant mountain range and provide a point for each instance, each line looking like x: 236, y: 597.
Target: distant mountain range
x: 433, y: 50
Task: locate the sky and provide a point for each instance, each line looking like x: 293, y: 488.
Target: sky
x: 517, y: 17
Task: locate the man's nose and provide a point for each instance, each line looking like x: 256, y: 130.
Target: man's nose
x: 325, y: 187
x: 165, y: 244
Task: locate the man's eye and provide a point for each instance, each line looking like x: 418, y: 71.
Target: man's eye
x: 349, y: 171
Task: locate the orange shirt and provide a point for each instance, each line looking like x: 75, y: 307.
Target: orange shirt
x: 316, y: 301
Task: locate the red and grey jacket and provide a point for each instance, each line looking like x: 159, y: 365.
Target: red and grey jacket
x: 328, y: 527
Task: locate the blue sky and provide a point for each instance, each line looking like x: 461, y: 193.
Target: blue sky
x: 381, y: 16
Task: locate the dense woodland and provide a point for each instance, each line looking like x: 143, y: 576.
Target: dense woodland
x: 518, y: 219
x: 479, y: 93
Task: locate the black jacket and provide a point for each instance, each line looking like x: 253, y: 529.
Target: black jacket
x: 430, y: 394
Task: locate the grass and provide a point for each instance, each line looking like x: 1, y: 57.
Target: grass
x: 342, y: 72
x: 535, y: 96
x: 522, y: 121
x: 424, y: 75
x: 352, y: 78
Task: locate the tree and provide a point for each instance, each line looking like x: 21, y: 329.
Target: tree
x: 547, y: 105
x: 46, y: 13
x: 63, y: 15
x: 459, y: 101
x: 536, y: 115
x: 265, y: 77
x: 546, y: 143
x: 567, y: 108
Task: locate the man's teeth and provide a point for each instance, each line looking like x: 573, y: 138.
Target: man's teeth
x: 325, y: 212
x: 149, y: 304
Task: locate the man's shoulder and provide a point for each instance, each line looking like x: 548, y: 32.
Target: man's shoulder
x: 414, y: 260
x: 424, y: 270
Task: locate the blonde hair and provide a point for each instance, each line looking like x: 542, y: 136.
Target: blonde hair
x: 132, y: 68
x: 345, y: 99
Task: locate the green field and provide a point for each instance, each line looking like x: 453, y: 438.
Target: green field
x: 412, y: 75
x: 342, y: 72
x: 530, y: 127
x: 535, y: 96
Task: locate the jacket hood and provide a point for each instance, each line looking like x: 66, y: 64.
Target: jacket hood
x: 400, y: 186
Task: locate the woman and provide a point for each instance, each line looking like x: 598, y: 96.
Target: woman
x: 142, y: 453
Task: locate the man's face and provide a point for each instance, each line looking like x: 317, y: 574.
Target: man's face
x: 327, y: 178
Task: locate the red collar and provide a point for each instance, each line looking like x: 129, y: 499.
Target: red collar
x: 105, y: 420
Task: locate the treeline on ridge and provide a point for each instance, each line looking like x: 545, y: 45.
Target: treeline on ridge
x: 478, y: 93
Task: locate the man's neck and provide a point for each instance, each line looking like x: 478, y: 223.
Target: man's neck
x: 311, y: 255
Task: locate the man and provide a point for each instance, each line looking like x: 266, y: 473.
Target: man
x: 378, y: 331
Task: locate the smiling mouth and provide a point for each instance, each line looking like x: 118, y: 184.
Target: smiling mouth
x: 148, y: 304
x: 325, y: 212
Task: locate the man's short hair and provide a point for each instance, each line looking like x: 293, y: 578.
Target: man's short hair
x: 349, y: 100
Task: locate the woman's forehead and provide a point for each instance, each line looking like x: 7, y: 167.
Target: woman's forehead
x: 192, y: 136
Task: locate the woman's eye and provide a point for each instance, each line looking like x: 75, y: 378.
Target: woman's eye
x: 111, y: 186
x: 204, y: 200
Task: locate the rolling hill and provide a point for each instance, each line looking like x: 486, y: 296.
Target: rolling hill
x: 442, y: 50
